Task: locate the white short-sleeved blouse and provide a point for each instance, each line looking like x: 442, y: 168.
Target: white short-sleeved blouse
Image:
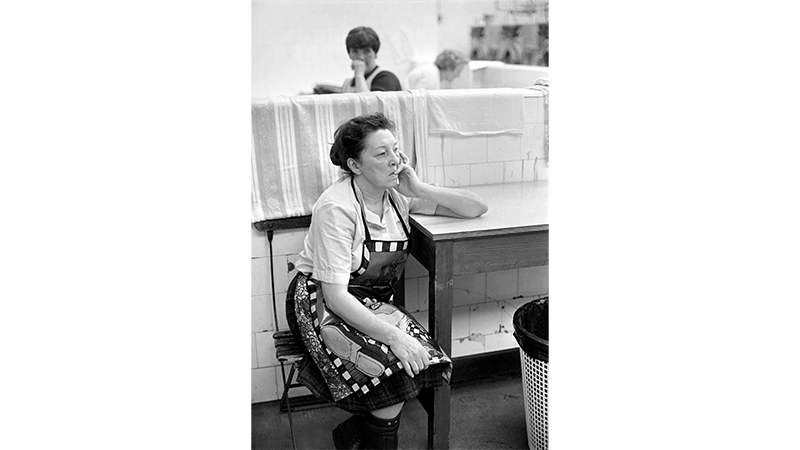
x: 332, y: 247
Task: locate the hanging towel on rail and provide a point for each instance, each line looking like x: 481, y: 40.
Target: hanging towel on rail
x: 473, y: 112
x: 420, y: 104
x: 543, y: 85
x: 291, y: 141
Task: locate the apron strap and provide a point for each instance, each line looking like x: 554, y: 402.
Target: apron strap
x: 364, y: 217
x: 402, y: 222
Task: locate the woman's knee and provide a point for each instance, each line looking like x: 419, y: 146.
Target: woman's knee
x: 390, y: 412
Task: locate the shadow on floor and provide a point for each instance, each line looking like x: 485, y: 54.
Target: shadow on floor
x: 488, y: 414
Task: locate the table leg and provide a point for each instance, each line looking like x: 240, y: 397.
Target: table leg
x: 400, y: 291
x: 440, y: 322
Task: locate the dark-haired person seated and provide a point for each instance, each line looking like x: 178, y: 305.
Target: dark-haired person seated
x: 365, y: 354
x: 362, y: 45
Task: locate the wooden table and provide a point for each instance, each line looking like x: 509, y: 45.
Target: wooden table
x: 512, y: 234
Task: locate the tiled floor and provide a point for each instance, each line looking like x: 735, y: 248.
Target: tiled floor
x: 484, y: 415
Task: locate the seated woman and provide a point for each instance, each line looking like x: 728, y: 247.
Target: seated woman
x: 362, y: 45
x: 454, y: 70
x: 365, y: 354
x: 449, y: 71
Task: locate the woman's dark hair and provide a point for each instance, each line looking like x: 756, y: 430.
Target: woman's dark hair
x: 348, y: 140
x: 362, y: 37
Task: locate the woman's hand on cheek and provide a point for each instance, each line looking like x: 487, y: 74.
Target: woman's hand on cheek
x: 409, y: 181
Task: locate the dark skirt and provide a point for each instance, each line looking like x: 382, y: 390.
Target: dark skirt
x: 397, y: 388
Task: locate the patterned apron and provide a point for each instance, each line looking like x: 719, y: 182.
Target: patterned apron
x: 349, y: 360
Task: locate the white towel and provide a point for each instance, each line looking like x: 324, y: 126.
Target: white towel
x: 280, y: 159
x: 543, y: 85
x: 420, y: 162
x: 292, y: 137
x: 472, y: 112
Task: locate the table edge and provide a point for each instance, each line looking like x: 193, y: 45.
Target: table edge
x: 478, y: 233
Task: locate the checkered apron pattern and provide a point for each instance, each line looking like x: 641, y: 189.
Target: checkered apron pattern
x: 351, y: 358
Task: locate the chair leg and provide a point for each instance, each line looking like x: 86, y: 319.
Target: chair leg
x: 285, y: 399
x: 425, y: 398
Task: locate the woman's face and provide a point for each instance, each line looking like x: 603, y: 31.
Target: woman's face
x: 379, y: 160
x: 364, y: 54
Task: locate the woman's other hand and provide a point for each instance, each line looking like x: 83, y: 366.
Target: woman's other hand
x: 411, y: 353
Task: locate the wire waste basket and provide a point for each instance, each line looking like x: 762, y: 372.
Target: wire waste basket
x: 531, y: 332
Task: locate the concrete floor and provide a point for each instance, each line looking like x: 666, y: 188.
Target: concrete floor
x: 489, y: 414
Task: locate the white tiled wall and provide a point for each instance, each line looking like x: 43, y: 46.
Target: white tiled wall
x: 483, y: 304
x: 267, y: 382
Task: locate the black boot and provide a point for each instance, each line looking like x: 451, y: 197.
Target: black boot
x: 348, y: 434
x: 380, y: 433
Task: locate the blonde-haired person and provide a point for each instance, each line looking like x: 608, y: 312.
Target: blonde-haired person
x: 449, y: 71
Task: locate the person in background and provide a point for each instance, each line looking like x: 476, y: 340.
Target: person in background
x: 362, y: 46
x: 423, y: 75
x: 365, y: 354
x: 439, y: 74
x: 451, y: 64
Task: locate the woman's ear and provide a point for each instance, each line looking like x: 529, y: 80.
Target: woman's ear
x: 353, y: 165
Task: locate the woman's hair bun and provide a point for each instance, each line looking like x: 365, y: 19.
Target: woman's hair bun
x: 348, y: 140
